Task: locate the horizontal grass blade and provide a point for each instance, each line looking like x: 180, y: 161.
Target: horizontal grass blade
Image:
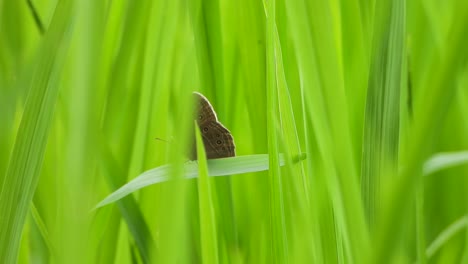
x: 216, y: 167
x: 442, y: 161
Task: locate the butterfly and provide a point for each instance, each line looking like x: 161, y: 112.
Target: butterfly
x: 217, y: 139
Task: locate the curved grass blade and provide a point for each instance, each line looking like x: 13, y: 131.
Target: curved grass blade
x: 216, y: 167
x: 442, y: 161
x: 42, y: 229
x: 446, y: 235
x: 129, y: 209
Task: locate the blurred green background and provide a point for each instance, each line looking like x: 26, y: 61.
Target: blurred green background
x: 368, y: 90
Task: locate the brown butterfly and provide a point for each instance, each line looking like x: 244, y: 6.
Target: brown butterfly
x: 217, y: 140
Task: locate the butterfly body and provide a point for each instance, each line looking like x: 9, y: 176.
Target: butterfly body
x: 217, y: 139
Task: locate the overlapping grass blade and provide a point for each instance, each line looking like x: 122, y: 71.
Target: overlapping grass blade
x: 381, y: 127
x: 446, y: 235
x: 208, y: 236
x: 42, y: 229
x: 28, y: 153
x: 428, y: 112
x: 325, y: 103
x: 279, y: 239
x: 129, y: 210
x: 217, y: 167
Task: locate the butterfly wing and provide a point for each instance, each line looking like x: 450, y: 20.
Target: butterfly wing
x: 205, y: 112
x: 218, y: 141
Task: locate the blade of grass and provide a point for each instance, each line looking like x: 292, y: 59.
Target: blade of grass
x: 207, y: 26
x: 437, y: 162
x: 420, y: 230
x: 78, y: 160
x: 129, y: 209
x: 325, y: 101
x: 314, y: 119
x: 381, y: 127
x: 37, y: 19
x: 446, y: 235
x: 216, y: 167
x: 42, y: 229
x: 147, y: 57
x: 125, y: 40
x: 103, y: 225
x: 208, y: 236
x: 427, y: 116
x: 297, y: 192
x: 442, y: 161
x: 174, y: 225
x: 355, y: 49
x: 288, y: 127
x: 28, y: 152
x: 406, y: 106
x: 279, y: 241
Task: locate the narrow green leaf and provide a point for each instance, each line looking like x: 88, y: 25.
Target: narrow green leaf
x: 446, y: 235
x: 216, y: 167
x: 420, y: 230
x: 437, y: 91
x: 279, y: 241
x: 208, y: 236
x: 316, y: 37
x: 442, y: 161
x: 381, y: 127
x: 42, y: 229
x: 129, y: 209
x: 26, y: 160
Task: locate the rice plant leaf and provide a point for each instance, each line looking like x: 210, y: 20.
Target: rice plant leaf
x: 216, y: 167
x: 324, y: 249
x: 128, y: 208
x: 42, y: 229
x: 35, y: 15
x: 442, y: 161
x: 381, y: 126
x: 279, y: 241
x: 325, y: 102
x: 208, y: 236
x: 446, y: 235
x: 28, y: 152
x: 288, y: 125
x: 439, y: 89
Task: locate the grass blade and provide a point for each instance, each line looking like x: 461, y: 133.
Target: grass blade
x: 381, y: 127
x: 208, y: 225
x: 442, y: 161
x: 26, y: 160
x: 428, y: 113
x: 446, y: 235
x: 130, y: 211
x: 216, y: 167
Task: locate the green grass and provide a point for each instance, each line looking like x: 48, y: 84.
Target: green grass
x: 349, y: 118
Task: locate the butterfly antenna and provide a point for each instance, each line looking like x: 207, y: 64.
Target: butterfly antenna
x: 160, y: 139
